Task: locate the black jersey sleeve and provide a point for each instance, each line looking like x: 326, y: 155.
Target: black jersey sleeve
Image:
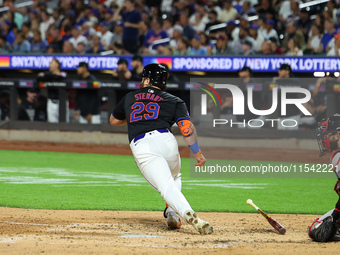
x: 181, y: 111
x: 119, y: 111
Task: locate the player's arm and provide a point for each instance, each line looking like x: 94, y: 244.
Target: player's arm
x: 117, y: 117
x: 190, y: 137
x: 116, y: 122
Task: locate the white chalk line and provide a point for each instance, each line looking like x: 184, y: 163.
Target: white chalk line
x: 59, y: 177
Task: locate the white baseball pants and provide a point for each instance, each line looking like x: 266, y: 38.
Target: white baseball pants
x: 158, y: 160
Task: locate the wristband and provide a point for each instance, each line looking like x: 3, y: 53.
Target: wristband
x: 194, y: 148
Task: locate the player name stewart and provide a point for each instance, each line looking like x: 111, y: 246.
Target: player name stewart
x: 149, y: 96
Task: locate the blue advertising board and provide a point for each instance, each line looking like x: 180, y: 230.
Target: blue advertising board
x: 176, y: 63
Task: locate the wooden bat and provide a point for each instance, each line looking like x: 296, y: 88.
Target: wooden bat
x: 272, y: 221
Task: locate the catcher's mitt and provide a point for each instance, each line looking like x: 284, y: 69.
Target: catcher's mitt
x: 323, y: 231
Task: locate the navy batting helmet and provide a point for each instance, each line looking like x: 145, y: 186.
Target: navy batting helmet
x: 326, y: 126
x: 157, y: 74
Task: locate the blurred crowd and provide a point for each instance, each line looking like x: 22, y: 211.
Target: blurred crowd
x: 171, y: 27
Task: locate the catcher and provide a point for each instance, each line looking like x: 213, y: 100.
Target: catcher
x: 326, y: 228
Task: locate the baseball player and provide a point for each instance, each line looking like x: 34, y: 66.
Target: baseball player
x: 325, y: 228
x: 149, y: 113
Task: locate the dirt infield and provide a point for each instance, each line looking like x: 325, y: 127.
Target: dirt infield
x: 24, y: 231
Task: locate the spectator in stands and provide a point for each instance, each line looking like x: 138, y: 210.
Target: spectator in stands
x: 242, y: 37
x: 77, y: 36
x: 212, y: 15
x: 253, y: 32
x: 199, y: 18
x: 164, y: 50
x: 266, y: 48
x: 265, y: 9
x: 188, y: 31
x: 334, y: 46
x: 68, y: 48
x: 6, y: 27
x: 293, y: 50
x: 25, y: 14
x: 244, y: 22
x: 196, y: 47
x: 97, y: 47
x: 274, y: 44
x: 52, y: 49
x: 331, y: 31
x: 26, y: 30
x: 154, y: 34
x: 248, y: 9
x: 80, y: 48
x: 87, y: 30
x: 53, y: 75
x: 4, y: 105
x: 304, y: 23
x: 269, y: 30
x: 122, y: 72
x: 132, y: 23
x: 57, y: 16
x: 37, y: 44
x: 183, y: 47
x: 87, y: 109
x: 176, y: 36
x: 119, y: 49
x: 117, y: 35
x: 314, y: 39
x: 228, y: 12
x: 137, y: 67
x: 46, y: 21
x: 168, y: 26
x: 27, y: 107
x: 294, y: 14
x: 296, y: 35
x: 213, y: 5
x: 331, y: 8
x: 338, y: 19
x: 67, y: 33
x: 320, y: 20
x: 21, y: 44
x: 247, y: 48
x: 205, y: 41
x: 5, y: 47
x: 222, y: 46
x: 55, y: 37
x: 105, y: 34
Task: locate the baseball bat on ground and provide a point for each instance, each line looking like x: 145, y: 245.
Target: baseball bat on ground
x: 272, y: 221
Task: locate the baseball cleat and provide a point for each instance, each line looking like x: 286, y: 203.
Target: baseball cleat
x: 173, y: 221
x: 203, y: 227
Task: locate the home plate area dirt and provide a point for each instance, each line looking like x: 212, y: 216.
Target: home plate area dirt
x: 27, y: 231
x: 24, y: 231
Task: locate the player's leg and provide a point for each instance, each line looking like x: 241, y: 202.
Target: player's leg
x: 174, y: 162
x: 326, y: 215
x: 150, y: 154
x: 52, y: 111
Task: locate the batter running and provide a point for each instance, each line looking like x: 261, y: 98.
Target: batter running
x: 149, y: 113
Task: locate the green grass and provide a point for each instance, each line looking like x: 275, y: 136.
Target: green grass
x: 50, y: 180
